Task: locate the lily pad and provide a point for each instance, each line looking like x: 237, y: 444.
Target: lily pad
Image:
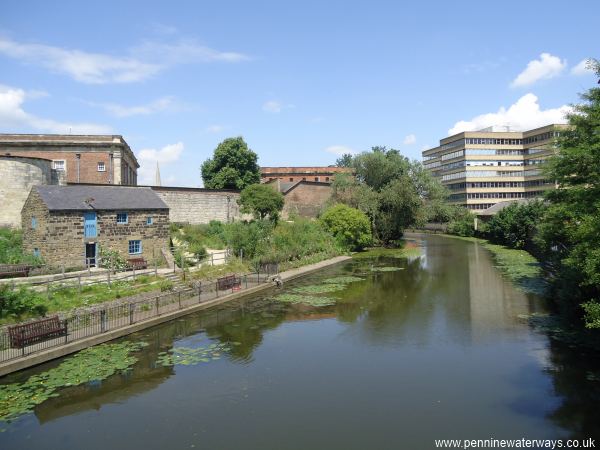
x: 311, y: 300
x: 343, y: 279
x: 186, y: 356
x: 320, y: 288
x: 386, y: 269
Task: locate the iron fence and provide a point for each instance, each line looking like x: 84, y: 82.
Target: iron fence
x: 101, y: 319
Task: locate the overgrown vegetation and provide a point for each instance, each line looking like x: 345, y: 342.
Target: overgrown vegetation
x: 350, y: 226
x: 262, y: 201
x: 394, y: 192
x: 18, y: 303
x: 11, y: 249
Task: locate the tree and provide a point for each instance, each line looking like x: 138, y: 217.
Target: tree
x: 261, y: 200
x: 515, y: 225
x: 570, y: 231
x: 349, y: 225
x: 233, y: 166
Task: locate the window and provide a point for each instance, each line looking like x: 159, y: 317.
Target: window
x: 36, y: 252
x: 59, y: 165
x: 291, y: 179
x: 135, y: 247
x: 149, y: 220
x: 326, y: 178
x: 316, y: 178
x: 122, y: 218
x: 33, y: 223
x: 101, y: 167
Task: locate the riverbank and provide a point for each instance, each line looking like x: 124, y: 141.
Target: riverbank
x: 71, y: 347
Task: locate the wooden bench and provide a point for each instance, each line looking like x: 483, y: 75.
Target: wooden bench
x: 137, y: 263
x: 14, y: 270
x: 38, y: 331
x: 229, y: 282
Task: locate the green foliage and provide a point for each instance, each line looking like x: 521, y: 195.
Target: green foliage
x: 21, y: 302
x: 515, y: 225
x: 386, y: 269
x: 261, y: 201
x: 166, y: 286
x: 233, y: 166
x: 248, y: 238
x: 569, y: 234
x: 311, y: 300
x: 343, y: 279
x: 592, y: 314
x: 92, y: 364
x: 462, y: 222
x: 11, y: 249
x: 111, y: 259
x: 349, y: 225
x: 320, y: 288
x: 392, y: 191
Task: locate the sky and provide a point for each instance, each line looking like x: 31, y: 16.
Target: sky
x: 302, y: 82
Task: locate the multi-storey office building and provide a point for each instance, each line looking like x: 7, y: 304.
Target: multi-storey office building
x: 482, y: 168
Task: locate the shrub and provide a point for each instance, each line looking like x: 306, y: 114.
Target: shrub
x: 18, y: 302
x: 166, y: 286
x: 11, y: 249
x: 592, y: 314
x: 349, y: 225
x: 515, y: 225
x: 248, y: 238
x: 462, y: 223
x: 111, y: 259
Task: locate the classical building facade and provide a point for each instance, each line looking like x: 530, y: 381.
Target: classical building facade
x: 482, y: 168
x: 68, y: 225
x: 101, y: 159
x: 295, y: 174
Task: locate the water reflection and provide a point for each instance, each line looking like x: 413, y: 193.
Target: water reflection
x: 436, y: 346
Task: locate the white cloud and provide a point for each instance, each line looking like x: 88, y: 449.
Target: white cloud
x: 272, y: 106
x: 340, y: 150
x: 410, y: 139
x: 525, y: 114
x: 548, y: 66
x: 148, y: 158
x: 144, y: 61
x: 14, y: 117
x: 163, y: 104
x: 583, y: 68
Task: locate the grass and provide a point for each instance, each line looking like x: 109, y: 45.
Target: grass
x: 208, y: 272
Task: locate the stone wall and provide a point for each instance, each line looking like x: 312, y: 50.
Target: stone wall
x: 197, y: 205
x: 60, y: 238
x: 306, y: 199
x: 17, y: 176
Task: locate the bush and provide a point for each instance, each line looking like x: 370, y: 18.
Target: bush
x: 111, y: 259
x: 592, y: 314
x: 166, y: 286
x: 515, y: 225
x: 462, y: 223
x: 248, y: 238
x: 11, y: 249
x: 19, y: 302
x: 350, y: 226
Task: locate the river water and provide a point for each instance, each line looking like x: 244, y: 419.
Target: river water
x: 435, y: 350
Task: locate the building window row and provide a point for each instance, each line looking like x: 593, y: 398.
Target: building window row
x: 427, y: 158
x: 491, y: 151
x: 476, y: 195
x: 541, y: 137
x: 533, y: 162
x: 456, y: 186
x: 493, y: 141
x: 482, y: 173
x: 495, y: 184
x: 453, y: 155
x: 479, y: 205
x: 432, y: 165
x: 532, y: 183
x: 453, y: 144
x: 457, y: 197
x: 493, y: 163
x: 534, y: 150
x: 533, y: 173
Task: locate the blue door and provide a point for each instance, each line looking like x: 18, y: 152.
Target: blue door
x: 89, y: 225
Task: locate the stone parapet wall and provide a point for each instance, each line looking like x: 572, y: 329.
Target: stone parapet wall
x: 196, y: 205
x: 306, y: 200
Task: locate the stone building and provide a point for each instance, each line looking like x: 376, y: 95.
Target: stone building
x: 295, y: 174
x: 99, y: 159
x: 68, y: 225
x: 18, y: 174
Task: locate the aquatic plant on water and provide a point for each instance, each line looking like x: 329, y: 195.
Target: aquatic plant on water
x: 343, y: 279
x: 320, y: 288
x: 187, y: 356
x: 311, y: 300
x: 386, y: 269
x: 92, y: 364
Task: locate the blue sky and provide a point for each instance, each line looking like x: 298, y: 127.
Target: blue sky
x: 300, y: 81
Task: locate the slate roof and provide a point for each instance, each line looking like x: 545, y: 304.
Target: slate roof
x: 61, y: 198
x: 496, y: 208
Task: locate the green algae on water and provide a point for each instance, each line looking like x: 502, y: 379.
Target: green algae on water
x: 386, y: 269
x: 311, y: 300
x: 320, y: 288
x: 92, y: 364
x: 186, y: 356
x: 343, y: 279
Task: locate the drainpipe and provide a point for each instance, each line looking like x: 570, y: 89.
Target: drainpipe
x: 78, y: 156
x: 110, y: 168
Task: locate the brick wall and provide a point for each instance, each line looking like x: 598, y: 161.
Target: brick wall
x: 306, y: 200
x: 195, y: 206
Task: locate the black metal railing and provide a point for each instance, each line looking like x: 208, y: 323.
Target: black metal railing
x: 101, y: 319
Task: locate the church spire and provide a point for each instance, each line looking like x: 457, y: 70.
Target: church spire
x: 157, y: 176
